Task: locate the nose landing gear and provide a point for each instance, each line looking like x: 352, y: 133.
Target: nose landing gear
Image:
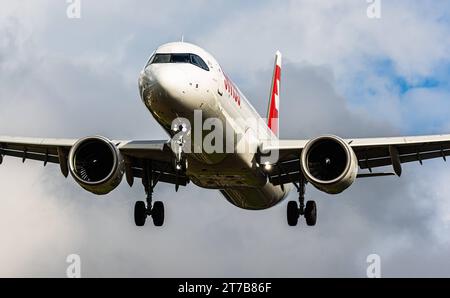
x: 178, y: 145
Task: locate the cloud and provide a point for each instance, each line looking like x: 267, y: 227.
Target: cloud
x: 71, y: 78
x: 339, y: 35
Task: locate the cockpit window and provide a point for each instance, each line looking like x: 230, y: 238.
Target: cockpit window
x: 196, y: 60
x: 161, y: 58
x: 179, y: 58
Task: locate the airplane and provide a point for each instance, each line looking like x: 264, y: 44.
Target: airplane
x: 179, y: 80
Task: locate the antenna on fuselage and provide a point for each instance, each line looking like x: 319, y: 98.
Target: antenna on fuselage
x: 182, y: 38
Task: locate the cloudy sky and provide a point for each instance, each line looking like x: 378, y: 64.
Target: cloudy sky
x: 344, y: 73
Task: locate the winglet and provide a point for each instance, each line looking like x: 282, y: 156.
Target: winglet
x: 274, y: 99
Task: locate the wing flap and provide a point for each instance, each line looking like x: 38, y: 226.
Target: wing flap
x: 386, y: 161
x: 375, y: 152
x: 36, y: 142
x: 46, y: 150
x: 30, y: 155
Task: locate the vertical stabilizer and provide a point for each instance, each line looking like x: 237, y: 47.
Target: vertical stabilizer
x: 274, y: 99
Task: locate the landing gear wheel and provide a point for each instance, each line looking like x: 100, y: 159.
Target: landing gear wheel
x: 140, y: 213
x: 311, y: 213
x: 158, y: 213
x: 292, y: 213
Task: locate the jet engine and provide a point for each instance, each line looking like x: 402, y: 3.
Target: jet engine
x: 329, y: 164
x: 96, y: 164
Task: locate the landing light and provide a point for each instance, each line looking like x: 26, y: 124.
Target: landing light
x: 267, y: 166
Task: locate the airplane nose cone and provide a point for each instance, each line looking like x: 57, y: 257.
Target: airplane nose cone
x: 167, y: 92
x: 163, y: 81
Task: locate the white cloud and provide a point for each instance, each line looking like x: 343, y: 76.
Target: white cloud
x: 335, y: 33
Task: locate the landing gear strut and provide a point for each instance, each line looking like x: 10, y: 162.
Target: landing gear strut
x: 294, y: 211
x: 156, y: 209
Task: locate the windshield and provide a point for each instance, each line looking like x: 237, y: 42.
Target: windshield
x: 179, y: 58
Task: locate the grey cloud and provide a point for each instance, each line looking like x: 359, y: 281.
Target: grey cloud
x: 312, y: 106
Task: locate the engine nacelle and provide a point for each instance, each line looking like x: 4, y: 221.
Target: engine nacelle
x: 329, y: 164
x: 96, y: 164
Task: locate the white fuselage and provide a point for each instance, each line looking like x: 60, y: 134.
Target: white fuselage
x: 176, y: 90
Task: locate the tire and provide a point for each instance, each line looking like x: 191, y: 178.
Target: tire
x: 311, y: 213
x: 158, y: 213
x: 140, y: 213
x: 292, y: 213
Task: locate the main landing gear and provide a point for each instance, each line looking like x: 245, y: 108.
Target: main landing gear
x: 294, y: 211
x: 144, y: 209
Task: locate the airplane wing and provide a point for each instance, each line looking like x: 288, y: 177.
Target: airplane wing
x: 370, y: 152
x: 136, y: 154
